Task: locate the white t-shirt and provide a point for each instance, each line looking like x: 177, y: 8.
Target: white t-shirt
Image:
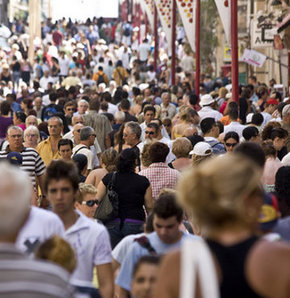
x: 208, y: 112
x: 83, y: 149
x: 91, y: 243
x: 40, y: 226
x: 144, y: 48
x: 64, y: 66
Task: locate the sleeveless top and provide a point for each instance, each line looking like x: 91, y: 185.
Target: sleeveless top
x: 232, y: 261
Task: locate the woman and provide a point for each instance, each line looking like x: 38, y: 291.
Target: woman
x: 31, y: 137
x: 136, y: 109
x: 227, y: 207
x: 26, y: 106
x: 5, y: 74
x: 231, y: 140
x: 134, y: 192
x: 19, y: 119
x: 181, y: 148
x: 144, y: 277
x: 108, y: 165
x: 201, y: 151
x: 25, y: 69
x: 5, y: 118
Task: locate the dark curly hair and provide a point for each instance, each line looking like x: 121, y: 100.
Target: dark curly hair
x: 127, y: 161
x: 282, y: 187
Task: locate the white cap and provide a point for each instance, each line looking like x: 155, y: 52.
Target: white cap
x: 201, y: 149
x: 249, y: 118
x: 229, y: 95
x: 286, y: 110
x: 206, y: 100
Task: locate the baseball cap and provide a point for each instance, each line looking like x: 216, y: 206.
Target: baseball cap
x: 272, y: 101
x: 286, y: 110
x: 201, y: 149
x: 14, y: 158
x: 206, y: 100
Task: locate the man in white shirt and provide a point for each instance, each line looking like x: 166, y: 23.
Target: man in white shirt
x: 207, y: 103
x: 89, y: 239
x: 63, y: 62
x: 144, y: 51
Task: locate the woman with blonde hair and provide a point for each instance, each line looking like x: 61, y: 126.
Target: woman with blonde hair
x: 136, y: 109
x: 201, y: 151
x: 181, y: 148
x: 228, y: 208
x: 31, y: 137
x: 108, y: 164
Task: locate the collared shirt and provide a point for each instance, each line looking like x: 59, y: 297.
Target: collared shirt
x: 92, y: 246
x: 208, y: 112
x: 160, y: 176
x: 45, y: 151
x: 31, y: 162
x: 236, y: 127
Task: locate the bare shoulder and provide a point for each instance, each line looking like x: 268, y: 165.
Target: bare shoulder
x: 268, y: 268
x: 168, y: 277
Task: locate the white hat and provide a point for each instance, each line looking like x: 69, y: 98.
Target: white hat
x: 206, y: 100
x: 249, y: 118
x: 201, y: 149
x: 229, y: 95
x: 286, y: 110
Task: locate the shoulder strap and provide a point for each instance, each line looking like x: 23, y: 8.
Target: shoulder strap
x: 79, y: 150
x: 145, y: 243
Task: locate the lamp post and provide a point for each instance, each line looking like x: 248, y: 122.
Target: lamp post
x: 173, y: 32
x: 197, y: 49
x: 155, y: 38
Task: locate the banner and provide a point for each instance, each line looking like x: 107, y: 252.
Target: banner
x: 164, y: 8
x: 254, y: 58
x: 224, y: 9
x: 148, y: 7
x: 187, y: 10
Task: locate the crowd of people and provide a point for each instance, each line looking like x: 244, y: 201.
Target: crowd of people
x: 91, y: 117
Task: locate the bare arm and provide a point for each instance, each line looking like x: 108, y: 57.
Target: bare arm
x: 148, y: 199
x: 106, y: 282
x: 91, y: 179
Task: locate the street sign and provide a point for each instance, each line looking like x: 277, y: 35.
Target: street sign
x: 257, y: 40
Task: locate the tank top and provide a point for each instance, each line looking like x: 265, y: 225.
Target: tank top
x: 232, y: 261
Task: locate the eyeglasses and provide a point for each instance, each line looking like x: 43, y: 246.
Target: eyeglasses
x: 90, y: 203
x: 231, y: 144
x: 31, y: 135
x: 149, y: 132
x: 16, y: 136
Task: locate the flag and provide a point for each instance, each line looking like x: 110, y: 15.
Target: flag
x: 254, y: 58
x: 148, y: 7
x: 224, y: 9
x: 164, y: 9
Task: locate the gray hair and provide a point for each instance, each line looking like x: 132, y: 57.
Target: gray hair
x: 15, y: 195
x: 83, y: 101
x: 14, y: 127
x: 119, y: 116
x: 86, y: 132
x: 33, y: 129
x: 135, y: 128
x: 29, y: 117
x: 165, y: 93
x: 56, y: 118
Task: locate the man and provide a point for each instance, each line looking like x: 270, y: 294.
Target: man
x: 52, y: 109
x: 158, y: 173
x: 251, y: 134
x: 167, y: 216
x: 83, y: 106
x: 286, y: 123
x: 65, y: 147
x: 87, y: 139
x: 168, y: 110
x: 31, y: 161
x: 132, y: 134
x: 86, y: 200
x: 144, y: 51
x: 149, y: 114
x: 38, y: 107
x: 69, y: 108
x: 112, y: 108
x: 211, y: 132
x: 187, y: 62
x: 48, y: 149
x: 125, y: 107
x: 100, y: 77
x: 270, y: 107
x: 89, y: 239
x: 43, y: 82
x: 234, y: 125
x: 21, y: 276
x: 207, y: 104
x: 31, y: 120
x: 99, y: 123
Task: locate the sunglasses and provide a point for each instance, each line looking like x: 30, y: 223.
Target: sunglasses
x: 90, y: 203
x: 149, y: 132
x: 231, y: 144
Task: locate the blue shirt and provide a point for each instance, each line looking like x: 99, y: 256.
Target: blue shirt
x: 125, y: 276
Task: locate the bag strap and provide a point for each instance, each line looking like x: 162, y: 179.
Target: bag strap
x: 145, y: 243
x: 79, y: 150
x: 112, y: 182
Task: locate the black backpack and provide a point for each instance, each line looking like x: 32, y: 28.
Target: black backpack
x: 101, y: 79
x: 127, y: 31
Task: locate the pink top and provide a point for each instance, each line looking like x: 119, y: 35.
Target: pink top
x: 271, y: 167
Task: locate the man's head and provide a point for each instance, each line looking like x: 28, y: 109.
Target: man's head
x: 149, y: 113
x: 38, y: 102
x: 167, y: 216
x: 15, y: 138
x: 83, y: 105
x: 15, y: 195
x: 61, y: 185
x: 132, y: 133
x: 125, y: 105
x: 158, y: 152
x: 76, y: 132
x: 271, y: 105
x: 52, y: 97
x: 77, y: 119
x: 55, y: 126
x: 251, y: 133
x: 65, y: 147
x: 165, y: 96
x: 152, y: 131
x: 88, y: 135
x: 86, y: 199
x: 69, y: 108
x: 209, y: 128
x: 31, y: 120
x: 286, y: 114
x: 119, y: 117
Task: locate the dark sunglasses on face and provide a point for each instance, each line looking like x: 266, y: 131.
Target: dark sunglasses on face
x: 231, y: 144
x: 90, y: 203
x: 149, y: 132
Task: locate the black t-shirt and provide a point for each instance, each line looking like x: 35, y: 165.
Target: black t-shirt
x: 131, y: 189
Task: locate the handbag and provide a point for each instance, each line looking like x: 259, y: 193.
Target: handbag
x: 108, y: 208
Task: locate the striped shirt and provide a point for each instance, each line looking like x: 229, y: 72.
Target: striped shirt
x: 31, y: 162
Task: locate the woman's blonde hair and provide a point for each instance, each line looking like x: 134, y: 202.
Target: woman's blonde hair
x: 222, y: 92
x: 198, y: 159
x: 85, y: 188
x: 58, y: 251
x: 181, y: 147
x: 215, y: 192
x: 34, y: 129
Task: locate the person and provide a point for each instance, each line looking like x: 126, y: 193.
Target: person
x: 201, y: 151
x: 89, y: 239
x: 167, y: 216
x: 168, y: 109
x: 145, y: 277
x: 120, y: 74
x: 65, y: 147
x: 31, y: 137
x: 81, y: 162
x: 132, y: 197
x: 83, y: 105
x: 207, y: 104
x: 19, y: 119
x: 99, y: 123
x: 15, y: 267
x: 47, y: 149
x: 286, y: 123
x: 108, y: 164
x: 231, y: 140
x: 158, y: 173
x: 234, y: 125
x: 229, y: 222
x: 149, y: 114
x: 5, y: 119
x: 251, y: 134
x: 181, y: 148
